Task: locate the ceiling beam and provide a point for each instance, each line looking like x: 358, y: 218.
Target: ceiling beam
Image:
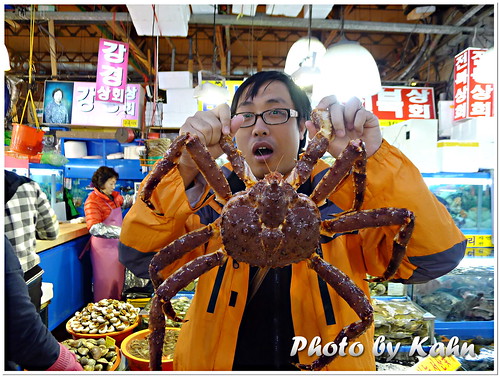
x: 258, y: 21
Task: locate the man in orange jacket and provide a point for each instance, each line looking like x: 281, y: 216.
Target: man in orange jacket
x: 226, y: 330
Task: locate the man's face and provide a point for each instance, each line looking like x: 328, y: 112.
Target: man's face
x: 269, y: 148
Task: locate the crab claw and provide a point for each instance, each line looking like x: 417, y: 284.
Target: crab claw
x: 315, y: 149
x: 321, y: 119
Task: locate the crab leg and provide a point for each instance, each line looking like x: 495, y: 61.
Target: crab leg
x: 353, y: 295
x: 200, y: 155
x: 168, y: 289
x: 373, y: 218
x: 316, y: 148
x: 209, y: 169
x: 162, y: 167
x: 176, y: 249
x: 240, y: 166
x: 352, y: 158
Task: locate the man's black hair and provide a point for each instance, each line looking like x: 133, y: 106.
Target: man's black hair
x: 255, y: 82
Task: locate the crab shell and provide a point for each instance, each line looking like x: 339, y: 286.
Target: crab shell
x: 270, y: 224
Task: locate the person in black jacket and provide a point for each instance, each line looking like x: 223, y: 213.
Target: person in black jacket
x: 28, y: 342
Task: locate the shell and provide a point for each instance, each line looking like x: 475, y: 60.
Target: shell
x: 92, y: 354
x: 96, y: 352
x: 104, y: 316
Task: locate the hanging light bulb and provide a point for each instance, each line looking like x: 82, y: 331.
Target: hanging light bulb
x: 303, y: 58
x: 347, y: 70
x: 305, y: 52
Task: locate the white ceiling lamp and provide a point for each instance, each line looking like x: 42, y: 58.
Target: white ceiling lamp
x: 486, y: 68
x: 303, y: 58
x: 347, y: 70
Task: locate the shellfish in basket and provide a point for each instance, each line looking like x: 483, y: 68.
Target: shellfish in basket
x: 271, y: 225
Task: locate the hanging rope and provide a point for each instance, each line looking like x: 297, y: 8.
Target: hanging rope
x: 29, y: 96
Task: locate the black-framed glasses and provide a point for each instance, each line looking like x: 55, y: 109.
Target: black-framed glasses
x: 270, y: 117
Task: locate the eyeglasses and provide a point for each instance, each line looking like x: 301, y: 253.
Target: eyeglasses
x: 270, y: 117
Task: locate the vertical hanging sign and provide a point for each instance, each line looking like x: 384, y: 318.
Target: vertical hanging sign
x: 112, y: 63
x: 470, y: 98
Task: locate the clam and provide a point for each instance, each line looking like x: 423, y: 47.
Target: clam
x: 83, y: 351
x: 96, y: 352
x: 104, y: 316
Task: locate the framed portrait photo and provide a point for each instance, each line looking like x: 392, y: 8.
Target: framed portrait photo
x: 58, y: 102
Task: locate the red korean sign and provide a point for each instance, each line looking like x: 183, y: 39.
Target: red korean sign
x: 470, y: 98
x: 398, y: 103
x: 112, y: 63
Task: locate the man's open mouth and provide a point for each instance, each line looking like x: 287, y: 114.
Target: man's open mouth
x: 263, y: 151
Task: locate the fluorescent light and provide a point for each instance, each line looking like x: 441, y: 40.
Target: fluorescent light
x: 347, y: 70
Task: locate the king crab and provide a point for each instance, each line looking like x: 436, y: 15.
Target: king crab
x: 270, y: 225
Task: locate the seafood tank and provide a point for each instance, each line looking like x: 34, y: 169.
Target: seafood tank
x: 467, y: 196
x: 399, y: 320
x: 464, y: 294
x: 463, y: 303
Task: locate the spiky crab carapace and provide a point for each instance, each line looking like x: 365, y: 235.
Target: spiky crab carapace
x: 270, y: 225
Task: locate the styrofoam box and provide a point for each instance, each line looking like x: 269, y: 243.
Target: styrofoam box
x: 174, y: 120
x: 180, y: 100
x: 487, y: 154
x: 175, y: 80
x: 480, y: 129
x: 445, y: 122
x: 416, y: 138
x: 458, y: 156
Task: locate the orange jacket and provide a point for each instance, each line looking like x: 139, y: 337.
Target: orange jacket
x: 208, y: 340
x: 98, y: 206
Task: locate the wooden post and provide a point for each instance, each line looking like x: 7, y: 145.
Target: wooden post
x: 259, y: 61
x: 52, y: 46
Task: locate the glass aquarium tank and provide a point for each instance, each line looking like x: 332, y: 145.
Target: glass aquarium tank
x: 464, y: 294
x: 51, y: 181
x: 468, y: 198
